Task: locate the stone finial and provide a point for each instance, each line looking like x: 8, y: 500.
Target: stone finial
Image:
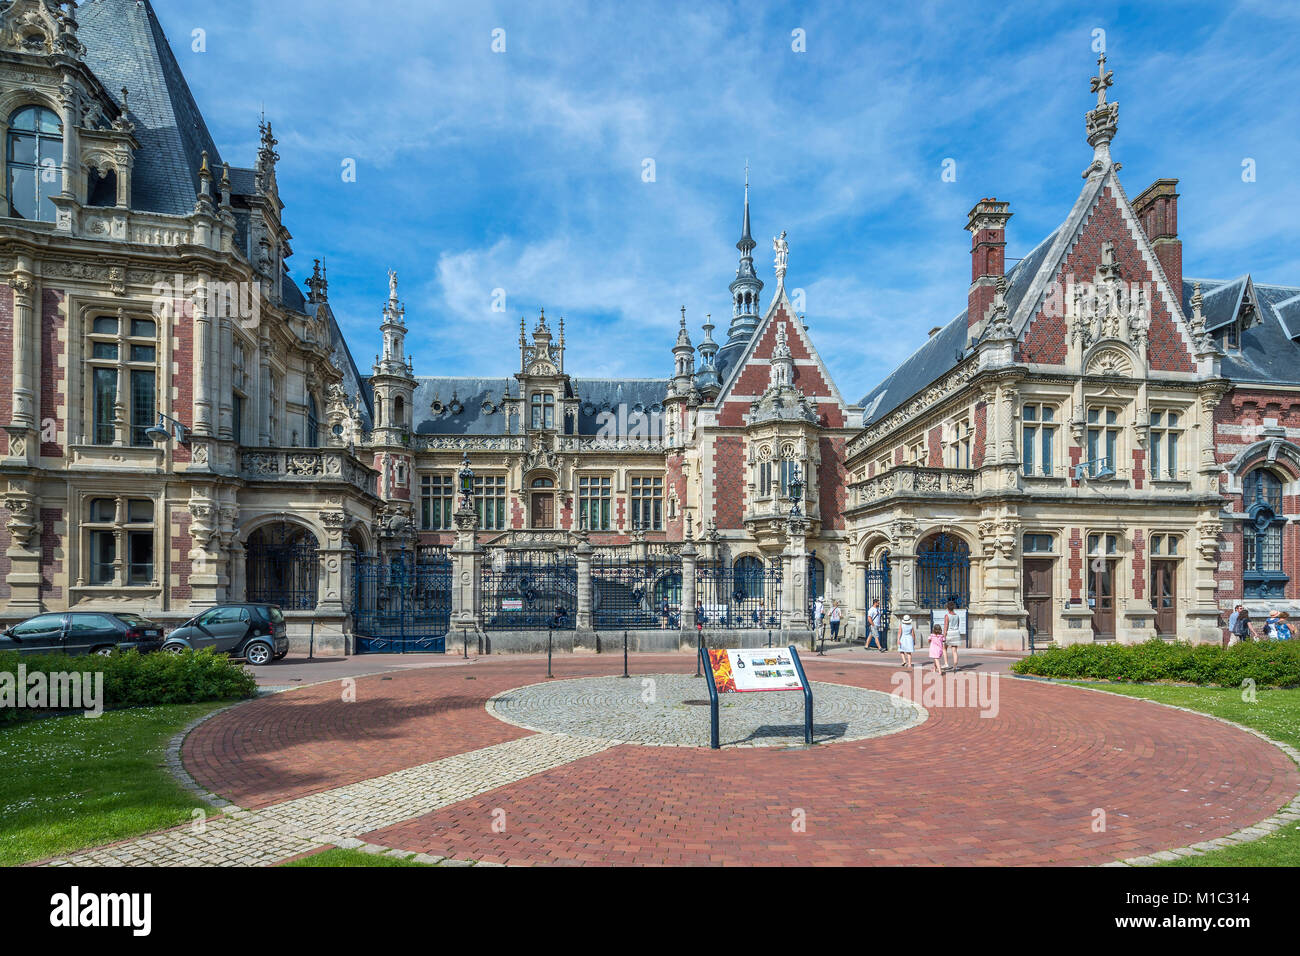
x: 1102, y: 121
x: 782, y: 250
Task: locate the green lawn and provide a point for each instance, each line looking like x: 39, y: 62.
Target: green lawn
x: 67, y: 783
x: 1275, y: 713
x: 336, y: 856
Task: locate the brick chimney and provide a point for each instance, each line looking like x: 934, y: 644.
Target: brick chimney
x: 1157, y: 210
x: 988, y: 228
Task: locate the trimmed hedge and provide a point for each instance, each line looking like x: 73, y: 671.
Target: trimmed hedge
x: 1268, y: 663
x: 132, y: 679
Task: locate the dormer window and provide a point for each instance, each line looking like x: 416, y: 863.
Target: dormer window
x: 34, y: 154
x: 543, y: 410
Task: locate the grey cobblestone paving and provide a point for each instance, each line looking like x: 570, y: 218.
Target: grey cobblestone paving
x: 653, y: 710
x: 266, y: 836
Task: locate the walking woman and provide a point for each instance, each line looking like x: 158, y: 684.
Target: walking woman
x: 905, y: 640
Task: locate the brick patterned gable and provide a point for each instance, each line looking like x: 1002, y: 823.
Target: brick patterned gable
x: 810, y: 372
x: 1046, y: 335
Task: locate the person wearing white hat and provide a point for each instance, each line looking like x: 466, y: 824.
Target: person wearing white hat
x: 905, y: 640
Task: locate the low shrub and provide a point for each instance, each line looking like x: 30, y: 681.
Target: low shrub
x: 1268, y: 663
x: 132, y: 679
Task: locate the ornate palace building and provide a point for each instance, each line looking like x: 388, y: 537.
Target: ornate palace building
x: 1097, y: 447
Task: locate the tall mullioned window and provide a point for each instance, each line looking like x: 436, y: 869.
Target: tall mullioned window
x: 437, y: 500
x: 1166, y: 431
x: 122, y: 369
x: 646, y: 496
x: 490, y: 502
x: 594, y: 498
x: 34, y: 158
x: 543, y: 410
x: 119, y: 540
x: 1103, y: 440
x: 1037, y: 438
x: 958, y: 451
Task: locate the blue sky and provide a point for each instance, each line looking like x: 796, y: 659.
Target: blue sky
x: 522, y: 170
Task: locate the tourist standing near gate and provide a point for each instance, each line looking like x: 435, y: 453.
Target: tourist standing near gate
x: 951, y: 633
x: 819, y: 613
x: 876, y: 626
x: 905, y: 640
x: 836, y: 614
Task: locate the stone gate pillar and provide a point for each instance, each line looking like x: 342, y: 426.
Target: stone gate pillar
x: 687, y: 615
x: 583, y: 620
x: 466, y: 584
x: 794, y: 577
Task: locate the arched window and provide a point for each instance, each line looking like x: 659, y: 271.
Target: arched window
x: 35, y: 156
x: 399, y: 412
x: 1262, y: 575
x: 749, y: 576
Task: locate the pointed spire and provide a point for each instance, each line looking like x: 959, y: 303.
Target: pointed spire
x: 746, y: 243
x: 745, y: 288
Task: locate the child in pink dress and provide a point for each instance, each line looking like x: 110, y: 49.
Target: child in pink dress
x: 936, y: 647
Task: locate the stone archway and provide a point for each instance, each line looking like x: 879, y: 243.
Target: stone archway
x: 282, y: 566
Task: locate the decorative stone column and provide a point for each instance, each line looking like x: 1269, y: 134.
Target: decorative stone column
x: 858, y: 611
x: 583, y: 621
x: 467, y: 575
x: 203, y: 555
x: 202, y: 358
x: 329, y: 599
x: 794, y: 575
x: 1001, y: 621
x: 687, y: 615
x: 1202, y: 624
x: 24, y: 553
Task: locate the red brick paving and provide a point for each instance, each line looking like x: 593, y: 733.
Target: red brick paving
x: 960, y: 789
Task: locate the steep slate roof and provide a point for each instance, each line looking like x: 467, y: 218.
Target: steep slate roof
x: 941, y: 351
x: 1269, y: 352
x: 598, y: 395
x: 125, y: 47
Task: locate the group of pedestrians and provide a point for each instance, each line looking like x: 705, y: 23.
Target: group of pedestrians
x: 944, y: 637
x: 1276, y: 627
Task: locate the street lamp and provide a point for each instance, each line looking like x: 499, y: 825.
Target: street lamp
x: 796, y: 492
x: 466, y: 476
x: 167, y: 428
x: 1107, y: 470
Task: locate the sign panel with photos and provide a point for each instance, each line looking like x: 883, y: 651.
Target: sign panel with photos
x: 764, y: 668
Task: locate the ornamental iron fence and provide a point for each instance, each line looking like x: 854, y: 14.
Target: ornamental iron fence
x: 741, y: 596
x: 526, y: 590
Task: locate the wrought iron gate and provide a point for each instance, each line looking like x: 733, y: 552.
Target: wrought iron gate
x: 942, y: 572
x: 526, y: 590
x: 738, y: 596
x: 402, y: 605
x: 283, y: 565
x: 878, y: 588
x: 628, y: 594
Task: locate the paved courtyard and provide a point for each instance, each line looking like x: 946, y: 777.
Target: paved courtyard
x: 487, y: 760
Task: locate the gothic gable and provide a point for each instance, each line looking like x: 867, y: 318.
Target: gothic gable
x: 752, y: 373
x: 1106, y: 236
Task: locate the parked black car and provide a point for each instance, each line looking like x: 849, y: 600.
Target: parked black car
x: 82, y: 632
x: 255, y: 632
